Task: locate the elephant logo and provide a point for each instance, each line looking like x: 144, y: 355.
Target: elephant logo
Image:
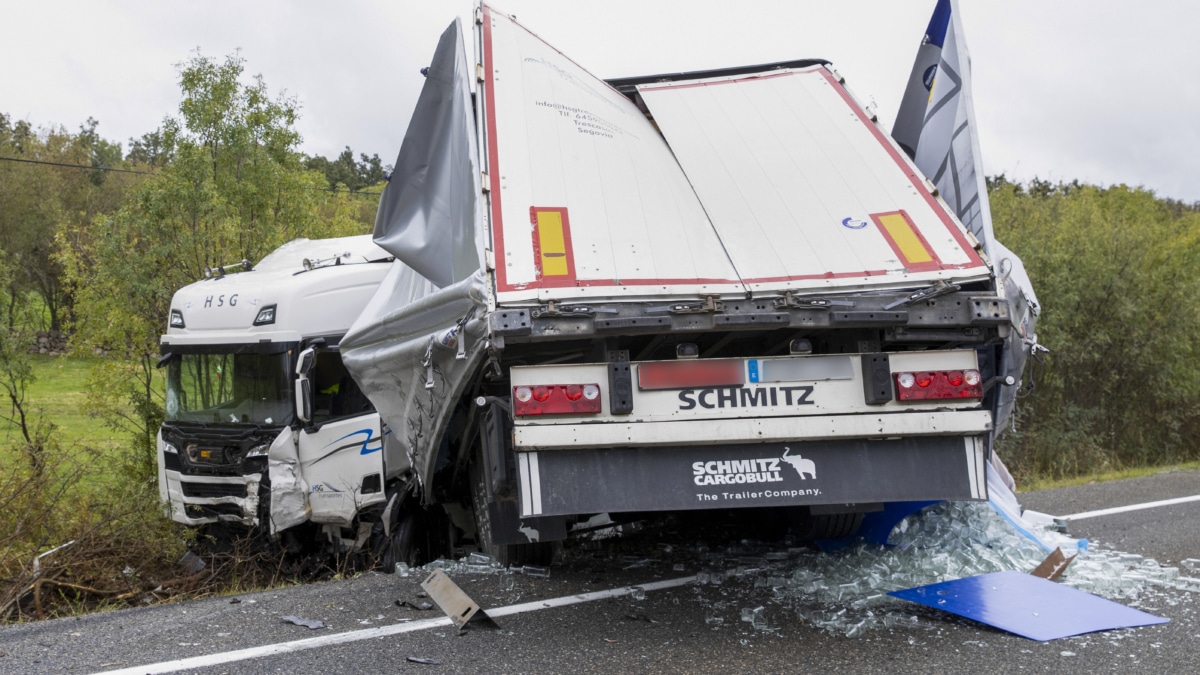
x: 800, y: 464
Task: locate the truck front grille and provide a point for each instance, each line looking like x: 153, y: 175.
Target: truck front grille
x: 213, y: 490
x: 213, y: 510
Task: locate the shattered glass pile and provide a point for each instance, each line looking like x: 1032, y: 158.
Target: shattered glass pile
x: 846, y: 592
x: 475, y: 563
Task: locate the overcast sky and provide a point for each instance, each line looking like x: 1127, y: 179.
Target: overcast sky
x: 1101, y: 91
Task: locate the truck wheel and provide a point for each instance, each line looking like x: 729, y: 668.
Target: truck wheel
x: 402, y: 545
x: 508, y: 555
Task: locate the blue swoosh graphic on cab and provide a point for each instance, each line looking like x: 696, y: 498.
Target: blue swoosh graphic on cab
x: 364, y: 449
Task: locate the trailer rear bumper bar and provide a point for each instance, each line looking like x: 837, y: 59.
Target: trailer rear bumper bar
x: 758, y: 430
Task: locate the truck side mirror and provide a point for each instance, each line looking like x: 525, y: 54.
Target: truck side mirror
x: 305, y: 363
x: 304, y: 399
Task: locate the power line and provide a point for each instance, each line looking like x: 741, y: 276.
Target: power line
x: 73, y: 166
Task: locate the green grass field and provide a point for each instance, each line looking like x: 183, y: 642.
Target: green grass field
x: 57, y: 395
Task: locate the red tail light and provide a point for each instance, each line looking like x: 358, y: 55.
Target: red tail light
x: 939, y: 385
x: 556, y: 399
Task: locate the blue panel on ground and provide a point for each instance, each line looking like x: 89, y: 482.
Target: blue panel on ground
x: 1027, y: 605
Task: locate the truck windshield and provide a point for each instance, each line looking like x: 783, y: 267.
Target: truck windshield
x: 230, y: 389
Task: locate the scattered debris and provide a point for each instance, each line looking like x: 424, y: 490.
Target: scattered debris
x: 845, y: 593
x: 411, y: 605
x: 534, y: 571
x: 1029, y: 606
x: 235, y: 601
x: 454, y: 602
x: 1053, y: 566
x: 426, y: 661
x: 191, y: 563
x: 314, y: 624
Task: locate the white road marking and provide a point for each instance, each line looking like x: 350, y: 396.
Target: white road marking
x: 384, y: 631
x: 1131, y: 507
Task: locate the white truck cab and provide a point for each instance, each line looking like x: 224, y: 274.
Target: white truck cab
x: 264, y: 426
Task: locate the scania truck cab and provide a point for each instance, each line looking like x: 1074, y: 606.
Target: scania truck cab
x: 265, y: 430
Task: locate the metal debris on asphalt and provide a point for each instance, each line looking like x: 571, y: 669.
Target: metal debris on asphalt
x: 307, y: 623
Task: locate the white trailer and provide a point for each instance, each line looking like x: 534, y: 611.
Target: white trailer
x: 685, y: 292
x: 265, y: 430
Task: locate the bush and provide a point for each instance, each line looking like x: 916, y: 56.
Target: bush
x: 1117, y: 271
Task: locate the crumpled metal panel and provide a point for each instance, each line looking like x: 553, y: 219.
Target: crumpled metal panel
x: 289, y: 491
x: 413, y: 351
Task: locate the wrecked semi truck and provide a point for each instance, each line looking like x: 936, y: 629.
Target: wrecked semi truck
x: 265, y: 430
x: 694, y: 292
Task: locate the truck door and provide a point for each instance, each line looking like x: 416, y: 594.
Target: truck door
x: 340, y: 446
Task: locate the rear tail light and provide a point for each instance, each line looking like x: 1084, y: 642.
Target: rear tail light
x: 939, y: 385
x: 556, y: 399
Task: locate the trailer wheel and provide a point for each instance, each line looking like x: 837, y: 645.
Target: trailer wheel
x: 827, y: 525
x: 508, y: 555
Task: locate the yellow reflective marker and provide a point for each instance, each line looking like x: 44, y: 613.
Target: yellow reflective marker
x: 552, y: 243
x: 904, y: 238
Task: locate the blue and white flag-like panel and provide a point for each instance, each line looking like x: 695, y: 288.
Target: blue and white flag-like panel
x: 936, y: 127
x: 935, y: 124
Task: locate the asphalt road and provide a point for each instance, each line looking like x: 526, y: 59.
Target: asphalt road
x: 668, y: 631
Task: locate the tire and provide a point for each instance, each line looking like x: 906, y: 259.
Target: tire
x: 828, y: 526
x: 508, y: 555
x: 401, y: 546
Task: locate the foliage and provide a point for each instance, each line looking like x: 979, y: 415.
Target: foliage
x: 367, y: 172
x: 37, y: 200
x: 34, y: 432
x: 1117, y: 271
x: 231, y: 187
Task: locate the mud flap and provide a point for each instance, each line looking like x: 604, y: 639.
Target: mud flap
x: 563, y: 482
x: 504, y: 517
x: 509, y: 527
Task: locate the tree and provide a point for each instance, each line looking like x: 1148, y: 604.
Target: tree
x: 367, y: 172
x: 39, y: 196
x: 1118, y: 273
x: 234, y: 188
x: 16, y: 374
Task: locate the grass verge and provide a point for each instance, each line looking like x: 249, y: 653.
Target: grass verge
x: 1032, y: 485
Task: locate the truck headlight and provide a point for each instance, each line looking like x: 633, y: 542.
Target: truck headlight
x: 167, y: 447
x: 259, y: 450
x: 265, y: 316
